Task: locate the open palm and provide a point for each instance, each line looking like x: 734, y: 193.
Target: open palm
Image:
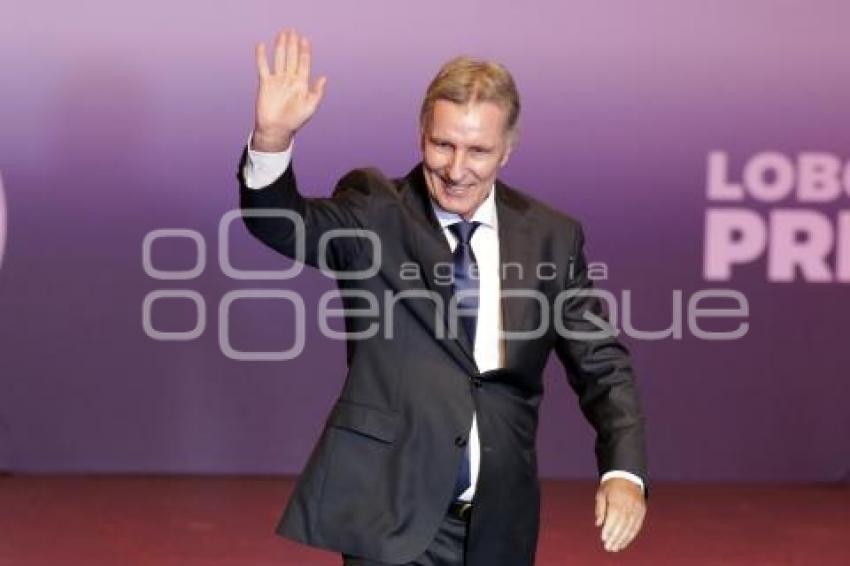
x: 285, y: 99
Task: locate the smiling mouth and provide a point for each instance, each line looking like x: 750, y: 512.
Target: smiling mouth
x: 455, y: 190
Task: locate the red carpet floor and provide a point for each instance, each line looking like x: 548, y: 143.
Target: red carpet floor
x: 130, y: 520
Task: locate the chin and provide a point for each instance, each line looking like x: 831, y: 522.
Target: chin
x: 455, y: 206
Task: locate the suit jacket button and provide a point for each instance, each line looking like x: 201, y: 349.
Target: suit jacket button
x: 460, y: 441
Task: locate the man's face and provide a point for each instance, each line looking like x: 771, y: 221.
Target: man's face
x: 463, y: 148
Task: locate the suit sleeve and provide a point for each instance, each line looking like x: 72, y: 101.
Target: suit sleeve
x: 599, y: 370
x: 297, y: 234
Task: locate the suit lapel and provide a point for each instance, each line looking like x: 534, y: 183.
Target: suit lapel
x: 431, y: 249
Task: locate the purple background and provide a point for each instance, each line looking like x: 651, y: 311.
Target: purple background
x: 120, y: 119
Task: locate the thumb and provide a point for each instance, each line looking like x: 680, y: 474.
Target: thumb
x: 601, y: 506
x: 318, y: 90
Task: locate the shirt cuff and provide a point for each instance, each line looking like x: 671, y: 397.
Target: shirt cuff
x: 624, y: 475
x: 261, y: 169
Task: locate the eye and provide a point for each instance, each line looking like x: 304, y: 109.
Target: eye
x: 440, y: 144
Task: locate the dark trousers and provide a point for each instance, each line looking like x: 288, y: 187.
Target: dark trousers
x: 446, y: 549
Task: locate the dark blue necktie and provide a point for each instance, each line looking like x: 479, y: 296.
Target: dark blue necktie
x: 464, y: 260
x: 465, y: 280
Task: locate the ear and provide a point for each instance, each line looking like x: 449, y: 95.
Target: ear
x: 508, y: 150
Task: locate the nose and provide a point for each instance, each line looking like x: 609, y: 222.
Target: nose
x: 456, y: 167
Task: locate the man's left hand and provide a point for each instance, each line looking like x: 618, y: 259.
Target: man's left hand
x: 620, y: 509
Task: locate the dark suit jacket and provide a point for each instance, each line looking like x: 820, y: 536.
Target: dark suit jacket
x: 381, y: 477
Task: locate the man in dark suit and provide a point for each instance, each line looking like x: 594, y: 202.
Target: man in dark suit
x: 457, y: 287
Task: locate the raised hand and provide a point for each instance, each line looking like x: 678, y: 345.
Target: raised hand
x: 285, y: 100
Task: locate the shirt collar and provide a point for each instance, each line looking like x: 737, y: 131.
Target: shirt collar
x: 485, y: 213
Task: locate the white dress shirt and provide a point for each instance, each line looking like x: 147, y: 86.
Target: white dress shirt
x: 487, y: 349
x: 261, y: 169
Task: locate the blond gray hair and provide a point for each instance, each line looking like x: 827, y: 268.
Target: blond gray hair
x: 465, y: 80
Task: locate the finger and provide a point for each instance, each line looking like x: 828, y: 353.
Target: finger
x: 637, y: 525
x: 318, y: 90
x: 262, y: 62
x: 613, y: 524
x: 633, y: 526
x: 292, y: 52
x: 600, y: 509
x: 623, y: 537
x: 304, y: 60
x: 279, y: 52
